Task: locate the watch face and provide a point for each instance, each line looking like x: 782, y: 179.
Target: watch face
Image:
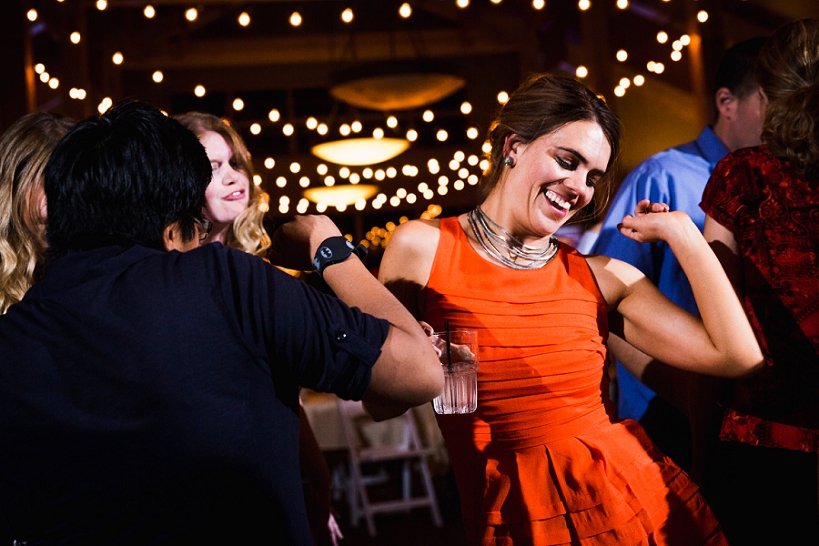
x: 326, y: 253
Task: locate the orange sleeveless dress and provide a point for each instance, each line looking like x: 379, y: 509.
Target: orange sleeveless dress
x: 540, y: 462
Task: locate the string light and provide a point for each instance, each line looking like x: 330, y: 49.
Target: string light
x: 39, y: 68
x: 31, y: 15
x: 584, y: 5
x: 619, y: 91
x: 622, y: 55
x: 624, y: 83
x: 244, y: 19
x: 622, y: 4
x: 344, y: 129
x: 538, y: 4
x: 311, y: 123
x: 322, y: 129
x: 405, y: 10
x: 356, y: 126
x: 44, y: 76
x: 702, y: 16
x: 104, y: 105
x: 295, y: 167
x: 676, y: 55
x: 581, y: 72
x: 662, y: 37
x: 639, y: 80
x: 685, y: 39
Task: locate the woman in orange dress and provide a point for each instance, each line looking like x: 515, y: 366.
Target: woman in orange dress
x: 541, y: 462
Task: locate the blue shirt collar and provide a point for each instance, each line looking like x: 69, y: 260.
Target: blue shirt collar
x: 711, y: 147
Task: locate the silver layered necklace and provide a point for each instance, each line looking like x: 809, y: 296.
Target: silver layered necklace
x: 504, y: 247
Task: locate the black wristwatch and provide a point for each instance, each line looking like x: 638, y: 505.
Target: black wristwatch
x: 334, y: 250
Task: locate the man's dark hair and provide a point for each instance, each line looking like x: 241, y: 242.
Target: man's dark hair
x: 122, y: 178
x: 736, y: 71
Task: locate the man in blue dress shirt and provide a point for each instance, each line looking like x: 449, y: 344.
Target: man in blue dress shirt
x: 677, y: 176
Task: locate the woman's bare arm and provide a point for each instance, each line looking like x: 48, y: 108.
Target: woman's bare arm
x: 720, y: 343
x: 407, y: 262
x: 725, y: 246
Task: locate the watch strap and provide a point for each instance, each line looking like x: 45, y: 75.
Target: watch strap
x: 334, y: 250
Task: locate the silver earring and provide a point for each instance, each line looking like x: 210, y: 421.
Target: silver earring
x: 509, y: 161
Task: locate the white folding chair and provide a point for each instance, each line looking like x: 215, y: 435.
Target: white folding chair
x: 409, y: 450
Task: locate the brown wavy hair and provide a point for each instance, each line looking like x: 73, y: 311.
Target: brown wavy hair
x: 541, y: 105
x: 247, y: 232
x: 787, y: 70
x: 24, y: 151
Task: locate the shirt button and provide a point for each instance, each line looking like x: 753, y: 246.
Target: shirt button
x: 341, y: 337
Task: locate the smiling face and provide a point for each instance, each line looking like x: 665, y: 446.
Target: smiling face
x: 553, y: 177
x: 228, y: 193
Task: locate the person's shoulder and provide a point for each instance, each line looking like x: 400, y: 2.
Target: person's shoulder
x: 417, y: 232
x: 745, y: 157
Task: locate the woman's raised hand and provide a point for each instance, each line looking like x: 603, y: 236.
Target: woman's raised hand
x: 653, y: 222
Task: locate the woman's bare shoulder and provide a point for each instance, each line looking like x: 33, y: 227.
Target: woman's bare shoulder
x: 416, y: 237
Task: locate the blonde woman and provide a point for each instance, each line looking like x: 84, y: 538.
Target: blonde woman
x: 24, y: 150
x: 233, y: 203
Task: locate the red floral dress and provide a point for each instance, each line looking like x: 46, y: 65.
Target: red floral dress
x: 774, y: 216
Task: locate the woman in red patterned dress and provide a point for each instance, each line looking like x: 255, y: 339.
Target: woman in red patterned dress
x: 762, y: 207
x: 541, y: 462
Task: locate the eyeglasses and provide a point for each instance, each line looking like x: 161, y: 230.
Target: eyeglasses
x: 204, y: 228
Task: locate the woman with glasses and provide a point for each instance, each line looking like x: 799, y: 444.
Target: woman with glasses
x: 234, y: 206
x: 24, y: 150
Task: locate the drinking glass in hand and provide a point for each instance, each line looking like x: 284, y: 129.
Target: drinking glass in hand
x: 459, y: 359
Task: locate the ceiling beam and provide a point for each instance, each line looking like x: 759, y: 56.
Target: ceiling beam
x: 362, y: 47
